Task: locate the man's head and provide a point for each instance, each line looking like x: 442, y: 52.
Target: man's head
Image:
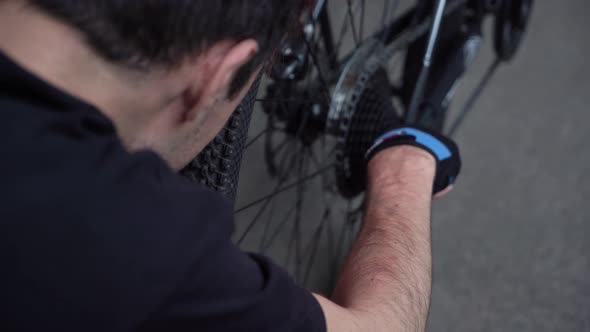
x: 167, y: 72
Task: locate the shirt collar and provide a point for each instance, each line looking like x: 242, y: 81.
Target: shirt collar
x: 16, y: 81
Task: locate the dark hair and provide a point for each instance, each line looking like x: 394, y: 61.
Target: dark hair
x: 144, y: 33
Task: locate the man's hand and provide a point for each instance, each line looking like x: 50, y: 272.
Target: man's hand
x: 376, y: 127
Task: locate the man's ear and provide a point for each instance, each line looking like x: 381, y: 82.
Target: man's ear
x: 223, y: 79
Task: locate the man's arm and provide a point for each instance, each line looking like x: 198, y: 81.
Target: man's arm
x: 386, y: 282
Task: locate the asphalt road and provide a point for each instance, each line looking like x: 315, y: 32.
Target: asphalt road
x: 512, y: 242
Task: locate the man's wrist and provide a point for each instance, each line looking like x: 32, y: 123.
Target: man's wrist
x: 402, y: 165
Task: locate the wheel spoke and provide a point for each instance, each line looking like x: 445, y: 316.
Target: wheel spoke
x: 256, y: 138
x: 303, y: 168
x: 267, y: 225
x: 261, y: 210
x: 387, y: 17
x: 282, y: 100
x: 287, y: 187
x: 332, y: 243
x: 336, y: 256
x: 287, y: 259
x: 350, y: 14
x: 474, y: 97
x: 340, y: 40
x: 281, y: 145
x: 321, y: 77
x: 254, y: 221
x: 362, y: 24
x: 277, y: 231
x: 314, y: 244
x: 385, y: 14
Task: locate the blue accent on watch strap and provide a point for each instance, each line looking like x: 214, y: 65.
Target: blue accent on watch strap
x: 440, y: 150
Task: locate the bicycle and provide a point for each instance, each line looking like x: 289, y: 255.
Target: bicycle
x: 317, y: 92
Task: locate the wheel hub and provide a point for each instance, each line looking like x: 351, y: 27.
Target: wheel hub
x: 360, y: 104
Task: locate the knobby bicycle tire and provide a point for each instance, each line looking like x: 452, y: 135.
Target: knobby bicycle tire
x: 218, y: 165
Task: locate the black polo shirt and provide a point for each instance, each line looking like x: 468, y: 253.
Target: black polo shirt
x: 94, y: 238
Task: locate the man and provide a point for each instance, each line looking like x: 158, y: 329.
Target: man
x: 102, y: 101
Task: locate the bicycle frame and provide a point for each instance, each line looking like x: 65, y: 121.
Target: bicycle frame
x: 319, y: 16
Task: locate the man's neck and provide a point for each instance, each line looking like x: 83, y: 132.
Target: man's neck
x: 51, y: 51
x: 57, y: 53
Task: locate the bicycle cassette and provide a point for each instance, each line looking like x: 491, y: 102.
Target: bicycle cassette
x: 374, y: 113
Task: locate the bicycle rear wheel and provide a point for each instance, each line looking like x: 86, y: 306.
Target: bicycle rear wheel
x: 298, y: 205
x: 301, y: 219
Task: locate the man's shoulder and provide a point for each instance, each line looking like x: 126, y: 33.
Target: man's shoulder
x: 85, y: 219
x: 79, y: 148
x: 58, y: 149
x: 72, y: 172
x: 75, y: 169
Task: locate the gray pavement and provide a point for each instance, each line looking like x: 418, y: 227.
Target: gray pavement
x: 512, y: 242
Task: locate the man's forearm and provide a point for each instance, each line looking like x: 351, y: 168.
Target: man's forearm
x: 387, y: 278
